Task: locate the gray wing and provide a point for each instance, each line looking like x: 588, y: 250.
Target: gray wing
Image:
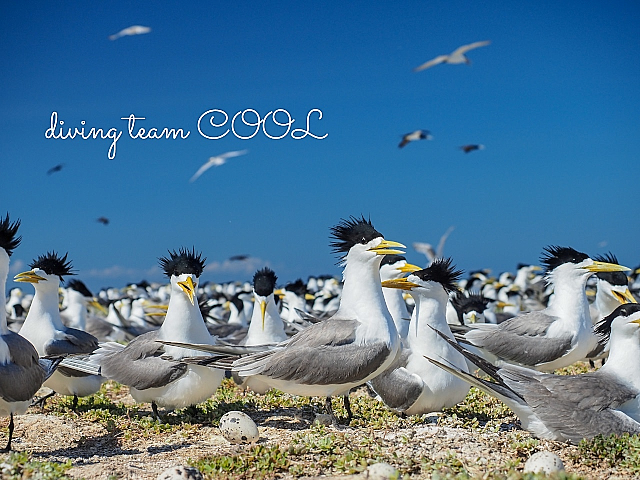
x: 322, y: 354
x: 139, y: 364
x: 398, y: 388
x: 465, y: 48
x: 520, y: 339
x: 576, y: 406
x: 21, y: 378
x: 72, y: 341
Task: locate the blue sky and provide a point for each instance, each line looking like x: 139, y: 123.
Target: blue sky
x: 555, y: 98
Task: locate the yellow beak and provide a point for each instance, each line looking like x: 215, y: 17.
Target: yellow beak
x: 409, y: 268
x: 385, y: 248
x: 29, y: 277
x: 606, y: 267
x: 279, y: 292
x: 263, y: 310
x: 189, y: 288
x: 98, y: 306
x: 400, y: 283
x: 624, y: 297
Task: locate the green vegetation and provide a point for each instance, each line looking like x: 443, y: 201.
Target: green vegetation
x: 622, y: 452
x: 18, y: 466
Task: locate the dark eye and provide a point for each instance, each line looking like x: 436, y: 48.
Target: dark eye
x: 364, y: 240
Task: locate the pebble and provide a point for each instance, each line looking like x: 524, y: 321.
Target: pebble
x: 545, y: 462
x: 181, y: 473
x: 238, y: 427
x: 381, y: 471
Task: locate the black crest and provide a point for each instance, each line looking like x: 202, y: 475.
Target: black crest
x: 614, y: 278
x: 8, y: 239
x: 603, y: 328
x: 298, y: 287
x: 79, y: 287
x: 469, y: 302
x: 442, y: 272
x: 53, y: 264
x: 264, y: 281
x: 555, y: 256
x: 391, y: 259
x: 183, y: 261
x: 351, y: 232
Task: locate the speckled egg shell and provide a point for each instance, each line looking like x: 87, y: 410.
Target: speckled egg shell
x: 238, y: 427
x: 545, y: 462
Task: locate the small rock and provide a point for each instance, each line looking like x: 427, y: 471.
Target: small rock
x: 323, y: 419
x: 181, y: 473
x: 545, y: 462
x: 381, y: 471
x: 238, y: 427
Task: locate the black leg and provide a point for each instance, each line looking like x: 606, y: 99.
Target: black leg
x: 74, y: 404
x: 154, y: 407
x: 347, y: 407
x: 8, y: 447
x: 43, y: 400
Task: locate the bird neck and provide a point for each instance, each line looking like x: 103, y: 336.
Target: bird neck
x: 623, y: 348
x: 395, y: 303
x: 4, y: 329
x: 273, y: 330
x: 605, y: 303
x: 184, y: 322
x: 429, y: 313
x: 44, y: 308
x: 570, y: 302
x: 363, y: 300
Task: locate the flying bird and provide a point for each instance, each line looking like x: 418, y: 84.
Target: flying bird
x: 414, y: 136
x: 455, y: 57
x: 103, y: 220
x: 216, y: 162
x: 55, y: 169
x: 238, y: 258
x: 133, y: 30
x: 471, y: 148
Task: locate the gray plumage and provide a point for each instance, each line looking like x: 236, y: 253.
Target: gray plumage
x: 329, y: 354
x: 557, y: 407
x: 72, y: 341
x: 139, y: 364
x: 397, y: 387
x: 23, y: 376
x: 522, y: 339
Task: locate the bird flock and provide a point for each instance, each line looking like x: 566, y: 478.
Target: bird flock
x: 416, y: 337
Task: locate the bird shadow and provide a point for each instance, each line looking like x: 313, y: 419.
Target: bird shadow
x: 106, y: 445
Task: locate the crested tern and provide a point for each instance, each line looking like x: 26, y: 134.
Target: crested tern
x: 141, y: 364
x: 21, y: 371
x: 351, y: 347
x: 216, y: 162
x: 412, y: 384
x: 455, y: 57
x: 394, y: 267
x: 43, y: 327
x: 570, y: 408
x: 551, y: 338
x: 414, y: 136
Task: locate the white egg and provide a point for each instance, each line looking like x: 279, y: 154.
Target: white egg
x: 238, y: 427
x: 546, y: 462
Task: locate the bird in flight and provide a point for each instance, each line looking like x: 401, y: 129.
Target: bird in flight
x: 471, y: 148
x: 133, y: 30
x: 455, y: 57
x: 55, y: 169
x: 216, y: 162
x: 413, y: 136
x: 103, y: 220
